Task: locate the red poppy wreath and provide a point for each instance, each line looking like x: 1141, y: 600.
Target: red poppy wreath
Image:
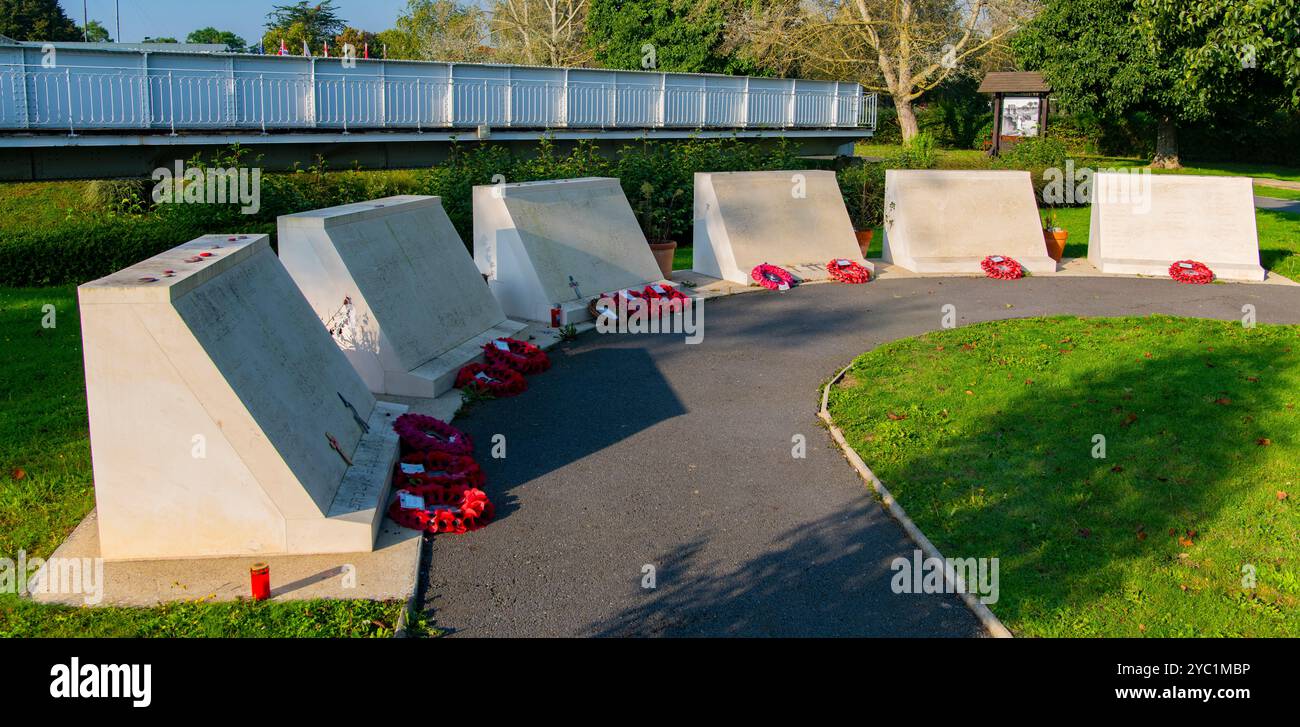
x: 772, y: 277
x: 847, y: 271
x: 662, y: 295
x: 418, y: 471
x: 495, y: 380
x: 420, y: 433
x: 516, y: 355
x: 1002, y: 268
x: 442, y: 509
x: 1191, y: 272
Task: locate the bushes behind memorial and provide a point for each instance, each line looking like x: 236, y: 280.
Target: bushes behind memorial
x: 120, y: 223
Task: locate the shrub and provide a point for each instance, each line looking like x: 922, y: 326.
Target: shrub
x: 659, y: 175
x: 863, y: 187
x: 919, y: 153
x: 1034, y: 153
x: 118, y: 196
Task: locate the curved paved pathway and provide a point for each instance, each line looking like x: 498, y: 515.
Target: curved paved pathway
x: 639, y: 449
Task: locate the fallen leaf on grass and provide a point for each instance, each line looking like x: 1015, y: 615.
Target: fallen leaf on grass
x: 1282, y: 495
x: 896, y: 417
x: 18, y: 473
x: 1223, y: 401
x: 1128, y: 419
x: 1263, y: 441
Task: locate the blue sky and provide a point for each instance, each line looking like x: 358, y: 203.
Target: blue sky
x: 176, y: 18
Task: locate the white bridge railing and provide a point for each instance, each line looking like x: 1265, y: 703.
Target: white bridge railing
x: 180, y: 92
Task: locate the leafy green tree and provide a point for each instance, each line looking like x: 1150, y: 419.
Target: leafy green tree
x: 161, y: 39
x: 302, y: 22
x: 95, y: 32
x: 233, y: 42
x: 438, y: 30
x: 1178, y: 60
x: 666, y: 35
x: 39, y: 20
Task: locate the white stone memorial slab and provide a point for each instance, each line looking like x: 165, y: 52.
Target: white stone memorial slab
x: 559, y: 243
x: 214, y: 392
x: 793, y: 219
x: 948, y: 221
x: 395, y: 284
x: 1143, y: 223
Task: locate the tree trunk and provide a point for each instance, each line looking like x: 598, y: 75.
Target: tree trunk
x: 906, y: 118
x: 1167, y: 145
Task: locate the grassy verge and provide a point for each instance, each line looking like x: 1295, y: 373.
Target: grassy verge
x: 46, y: 488
x: 987, y: 435
x: 1277, y: 192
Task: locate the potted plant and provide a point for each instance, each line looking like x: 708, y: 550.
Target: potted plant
x: 656, y: 218
x: 1054, y: 235
x: 862, y: 209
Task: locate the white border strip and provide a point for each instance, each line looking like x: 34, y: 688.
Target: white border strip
x: 952, y: 580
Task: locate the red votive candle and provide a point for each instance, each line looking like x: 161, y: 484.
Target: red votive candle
x: 260, y: 580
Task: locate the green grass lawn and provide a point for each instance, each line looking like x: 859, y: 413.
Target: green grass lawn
x: 1277, y: 192
x: 46, y: 488
x: 986, y: 435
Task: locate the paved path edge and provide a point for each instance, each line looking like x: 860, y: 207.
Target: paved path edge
x: 952, y: 580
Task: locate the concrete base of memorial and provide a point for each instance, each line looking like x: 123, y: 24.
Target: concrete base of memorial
x: 559, y: 243
x: 393, y: 282
x: 390, y: 571
x: 943, y: 221
x: 795, y: 220
x: 1143, y: 223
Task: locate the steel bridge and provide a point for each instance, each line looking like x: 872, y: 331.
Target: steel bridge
x: 97, y: 110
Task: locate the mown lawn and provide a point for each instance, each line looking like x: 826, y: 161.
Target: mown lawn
x: 988, y: 435
x: 46, y: 488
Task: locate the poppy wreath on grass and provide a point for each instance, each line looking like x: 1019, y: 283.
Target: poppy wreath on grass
x: 421, y: 433
x: 419, y: 471
x: 442, y: 509
x: 772, y: 277
x: 517, y: 355
x: 847, y: 271
x: 1191, y: 272
x: 671, y: 298
x: 488, y: 379
x: 1002, y: 268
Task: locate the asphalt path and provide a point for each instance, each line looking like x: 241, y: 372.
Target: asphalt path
x: 640, y: 450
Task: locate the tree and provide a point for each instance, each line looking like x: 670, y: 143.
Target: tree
x: 541, y: 32
x: 302, y: 23
x: 900, y: 47
x: 438, y: 30
x: 668, y: 35
x: 161, y: 39
x: 211, y: 35
x: 40, y: 20
x: 1177, y: 60
x: 95, y: 32
x: 359, y: 39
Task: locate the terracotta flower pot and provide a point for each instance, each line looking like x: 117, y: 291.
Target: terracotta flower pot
x: 664, y: 256
x: 864, y: 240
x: 1055, y: 243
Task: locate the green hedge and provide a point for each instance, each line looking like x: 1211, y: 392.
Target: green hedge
x: 123, y: 226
